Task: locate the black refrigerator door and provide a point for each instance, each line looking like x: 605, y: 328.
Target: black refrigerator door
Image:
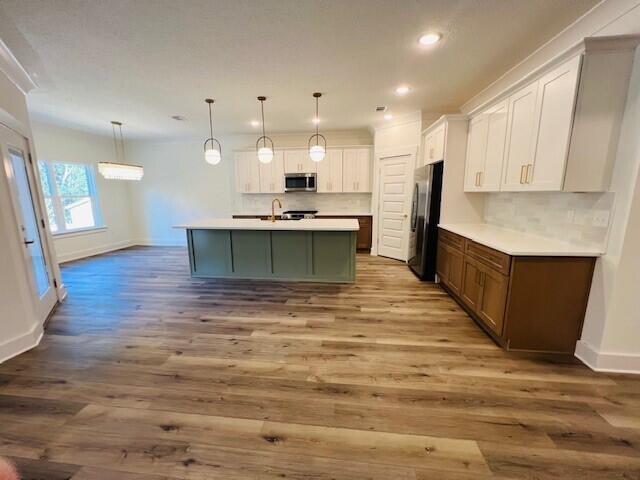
x: 422, y: 177
x: 432, y: 218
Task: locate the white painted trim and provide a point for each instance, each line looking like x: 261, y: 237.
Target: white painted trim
x: 160, y: 242
x: 16, y: 346
x: 14, y: 70
x: 400, y: 120
x: 90, y: 252
x: 569, y: 41
x: 454, y: 117
x: 607, y: 361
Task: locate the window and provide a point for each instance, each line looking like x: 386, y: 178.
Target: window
x: 70, y: 196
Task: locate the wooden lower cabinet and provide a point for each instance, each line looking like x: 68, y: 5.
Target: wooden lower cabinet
x: 534, y: 304
x: 449, y: 267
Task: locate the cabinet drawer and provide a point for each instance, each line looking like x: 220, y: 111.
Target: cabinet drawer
x: 456, y: 241
x: 497, y: 260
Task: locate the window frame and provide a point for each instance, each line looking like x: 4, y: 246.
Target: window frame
x: 56, y: 198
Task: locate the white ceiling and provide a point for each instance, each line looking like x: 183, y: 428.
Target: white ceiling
x: 141, y: 61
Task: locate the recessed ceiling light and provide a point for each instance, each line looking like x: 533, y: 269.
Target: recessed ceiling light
x: 388, y: 116
x: 255, y: 123
x: 402, y: 90
x: 315, y: 120
x: 429, y: 39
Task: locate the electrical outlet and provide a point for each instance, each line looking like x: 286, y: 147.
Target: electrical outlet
x: 601, y: 218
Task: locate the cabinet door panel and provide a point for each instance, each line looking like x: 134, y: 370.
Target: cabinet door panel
x: 493, y: 298
x: 363, y: 174
x: 494, y: 157
x: 293, y: 161
x: 349, y: 170
x: 455, y: 270
x: 330, y: 172
x: 336, y: 170
x: 519, y: 147
x: 247, y: 172
x: 470, y: 291
x: 429, y: 149
x: 438, y: 140
x: 476, y: 151
x: 442, y: 263
x: 272, y: 174
x: 556, y: 101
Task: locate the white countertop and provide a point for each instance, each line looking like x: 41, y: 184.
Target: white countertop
x: 513, y: 242
x: 315, y: 224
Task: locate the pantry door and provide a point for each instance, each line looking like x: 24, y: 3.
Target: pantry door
x: 394, y: 203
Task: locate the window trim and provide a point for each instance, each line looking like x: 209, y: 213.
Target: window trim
x: 56, y: 199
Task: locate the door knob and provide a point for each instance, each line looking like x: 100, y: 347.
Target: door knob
x: 29, y: 242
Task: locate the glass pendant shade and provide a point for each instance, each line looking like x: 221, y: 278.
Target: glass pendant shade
x: 316, y: 153
x: 212, y: 147
x: 212, y: 156
x: 265, y: 155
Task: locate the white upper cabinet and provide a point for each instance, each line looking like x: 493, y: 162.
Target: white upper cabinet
x: 272, y: 174
x: 520, y: 142
x: 562, y: 128
x: 491, y: 176
x: 433, y: 144
x: 247, y: 172
x: 330, y: 172
x: 476, y: 152
x: 298, y: 161
x: 554, y: 110
x: 356, y: 170
x: 485, y: 149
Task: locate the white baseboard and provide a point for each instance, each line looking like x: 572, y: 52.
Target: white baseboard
x: 607, y: 361
x: 21, y: 344
x: 160, y: 242
x: 90, y: 252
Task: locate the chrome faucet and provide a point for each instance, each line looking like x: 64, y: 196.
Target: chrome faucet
x: 273, y: 208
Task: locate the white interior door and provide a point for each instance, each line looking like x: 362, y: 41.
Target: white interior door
x: 16, y: 158
x: 394, y: 199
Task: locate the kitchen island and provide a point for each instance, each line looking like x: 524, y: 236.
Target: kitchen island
x: 307, y: 250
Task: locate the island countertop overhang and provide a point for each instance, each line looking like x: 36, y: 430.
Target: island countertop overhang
x: 306, y: 224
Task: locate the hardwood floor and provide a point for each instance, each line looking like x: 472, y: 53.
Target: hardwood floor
x: 147, y: 374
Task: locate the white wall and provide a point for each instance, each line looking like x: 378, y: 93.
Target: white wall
x: 179, y: 186
x: 66, y: 145
x: 611, y: 333
x: 400, y: 136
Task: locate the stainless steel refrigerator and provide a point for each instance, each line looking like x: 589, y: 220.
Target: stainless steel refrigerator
x: 425, y: 215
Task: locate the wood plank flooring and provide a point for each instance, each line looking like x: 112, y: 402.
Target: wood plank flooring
x: 147, y: 374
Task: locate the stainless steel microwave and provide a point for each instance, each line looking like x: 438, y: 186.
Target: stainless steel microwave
x: 299, y: 182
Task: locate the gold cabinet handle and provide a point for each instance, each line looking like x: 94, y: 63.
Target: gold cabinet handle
x: 480, y: 179
x: 526, y: 177
x: 522, y: 173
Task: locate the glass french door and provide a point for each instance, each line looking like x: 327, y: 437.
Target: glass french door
x: 22, y: 184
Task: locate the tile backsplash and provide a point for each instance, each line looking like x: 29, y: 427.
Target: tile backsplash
x: 347, y: 203
x: 580, y: 218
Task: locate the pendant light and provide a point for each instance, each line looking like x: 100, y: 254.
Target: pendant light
x: 212, y: 153
x: 265, y: 153
x: 119, y: 170
x: 317, y: 151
